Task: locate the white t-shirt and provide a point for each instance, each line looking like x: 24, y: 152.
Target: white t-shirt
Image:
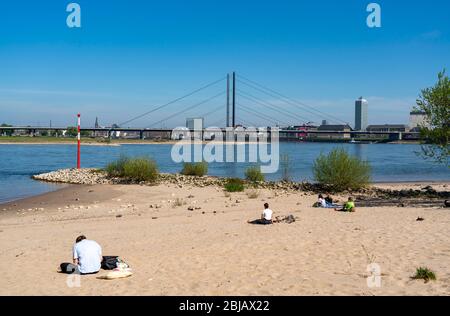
x: 267, y: 214
x: 322, y: 202
x: 89, y: 255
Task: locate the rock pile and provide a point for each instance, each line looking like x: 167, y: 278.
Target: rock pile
x: 95, y: 176
x: 74, y: 176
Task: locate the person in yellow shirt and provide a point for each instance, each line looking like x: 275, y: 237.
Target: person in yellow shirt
x: 348, y: 207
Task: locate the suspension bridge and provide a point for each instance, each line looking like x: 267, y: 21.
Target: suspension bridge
x: 238, y: 101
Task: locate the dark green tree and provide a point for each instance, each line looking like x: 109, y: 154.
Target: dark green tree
x: 8, y: 132
x: 435, y: 132
x: 72, y: 131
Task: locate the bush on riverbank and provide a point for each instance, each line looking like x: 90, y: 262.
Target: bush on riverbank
x: 254, y: 174
x: 234, y: 185
x: 198, y: 169
x: 340, y: 171
x: 116, y: 169
x: 133, y: 169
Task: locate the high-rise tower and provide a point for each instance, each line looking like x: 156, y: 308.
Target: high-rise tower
x: 361, y: 114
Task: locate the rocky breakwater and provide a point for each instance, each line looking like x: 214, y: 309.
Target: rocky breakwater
x: 74, y: 176
x: 368, y: 197
x: 96, y: 176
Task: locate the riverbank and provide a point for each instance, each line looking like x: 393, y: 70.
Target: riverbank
x: 204, y: 245
x: 409, y: 192
x: 113, y: 142
x: 44, y: 140
x: 41, y: 140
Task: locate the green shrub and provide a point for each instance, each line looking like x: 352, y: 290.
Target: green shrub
x: 117, y: 168
x: 254, y: 174
x: 141, y: 169
x: 198, y: 169
x: 133, y: 169
x: 234, y: 185
x: 425, y: 274
x: 340, y: 171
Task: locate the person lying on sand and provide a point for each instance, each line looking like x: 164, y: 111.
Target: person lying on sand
x: 87, y: 257
x: 329, y: 200
x: 348, y: 207
x: 325, y: 202
x: 266, y: 216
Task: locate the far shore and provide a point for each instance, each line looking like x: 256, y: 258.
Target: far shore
x: 116, y: 142
x: 42, y: 140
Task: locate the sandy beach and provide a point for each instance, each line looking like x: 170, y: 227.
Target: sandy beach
x: 213, y: 251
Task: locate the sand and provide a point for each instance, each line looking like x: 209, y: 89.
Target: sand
x: 213, y: 251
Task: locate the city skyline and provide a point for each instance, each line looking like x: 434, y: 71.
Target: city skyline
x: 124, y: 61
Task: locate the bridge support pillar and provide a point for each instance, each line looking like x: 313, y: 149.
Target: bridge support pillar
x: 141, y: 135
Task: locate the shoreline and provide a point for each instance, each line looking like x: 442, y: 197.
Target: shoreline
x: 172, y: 178
x: 119, y: 142
x: 71, y: 194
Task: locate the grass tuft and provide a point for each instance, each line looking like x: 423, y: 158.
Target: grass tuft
x: 133, y: 169
x: 254, y: 174
x: 198, y: 169
x: 234, y: 185
x: 423, y: 273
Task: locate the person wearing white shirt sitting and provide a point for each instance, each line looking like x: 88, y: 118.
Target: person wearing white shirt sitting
x: 87, y: 257
x: 322, y: 202
x: 266, y: 216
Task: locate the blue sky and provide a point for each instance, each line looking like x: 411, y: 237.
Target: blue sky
x: 131, y: 56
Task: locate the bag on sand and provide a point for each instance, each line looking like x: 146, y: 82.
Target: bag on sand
x: 110, y: 262
x: 113, y: 262
x: 120, y: 269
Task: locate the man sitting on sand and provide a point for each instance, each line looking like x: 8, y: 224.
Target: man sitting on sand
x: 87, y: 257
x: 348, y: 207
x: 266, y: 217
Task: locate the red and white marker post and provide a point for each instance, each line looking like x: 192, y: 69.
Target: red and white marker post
x: 79, y: 143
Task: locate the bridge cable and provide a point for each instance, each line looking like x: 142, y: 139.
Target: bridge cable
x: 291, y: 101
x: 285, y: 112
x: 187, y: 109
x: 173, y: 101
x: 262, y: 116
